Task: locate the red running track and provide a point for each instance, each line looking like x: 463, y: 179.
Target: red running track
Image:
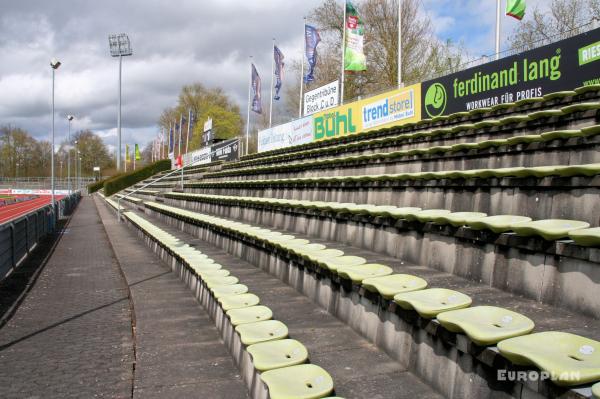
x: 13, y: 211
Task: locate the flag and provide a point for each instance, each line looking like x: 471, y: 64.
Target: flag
x: 171, y: 140
x: 256, y: 101
x: 179, y: 161
x: 311, y: 39
x: 127, y: 153
x: 515, y: 9
x: 354, y: 57
x: 138, y: 156
x: 278, y: 70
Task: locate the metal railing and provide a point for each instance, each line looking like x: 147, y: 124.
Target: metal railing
x: 42, y: 183
x: 20, y: 236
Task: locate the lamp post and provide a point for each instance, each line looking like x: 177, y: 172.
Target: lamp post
x: 79, y: 181
x: 69, y: 118
x: 119, y: 47
x: 54, y: 64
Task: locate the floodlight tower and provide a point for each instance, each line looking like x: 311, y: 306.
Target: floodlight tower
x: 119, y: 47
x: 54, y: 64
x: 69, y: 118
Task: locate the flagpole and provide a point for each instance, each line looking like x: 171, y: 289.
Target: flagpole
x: 272, y: 75
x: 399, y: 43
x: 134, y: 156
x: 187, y: 138
x: 498, y: 28
x: 343, y: 54
x: 249, y: 99
x: 302, y: 67
x: 180, y: 123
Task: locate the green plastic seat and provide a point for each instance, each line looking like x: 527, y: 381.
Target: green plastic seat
x: 207, y: 274
x: 549, y: 229
x: 429, y: 302
x: 238, y: 301
x: 303, y: 381
x: 570, y: 359
x: 200, y: 267
x: 586, y: 237
x: 458, y: 219
x: 339, y: 262
x: 524, y: 139
x: 431, y: 215
x: 517, y: 171
x: 590, y: 131
x: 251, y: 314
x: 220, y: 281
x: 405, y: 213
x: 388, y: 286
x: 497, y: 223
x: 491, y: 143
x: 226, y: 290
x: 358, y: 273
x: 383, y: 210
x: 559, y: 94
x: 561, y: 134
x: 486, y: 325
x: 277, y: 354
x: 325, y: 254
x: 262, y: 331
x: 596, y: 390
x: 579, y: 170
x: 300, y: 249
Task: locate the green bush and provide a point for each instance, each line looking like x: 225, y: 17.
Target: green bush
x: 93, y: 187
x: 122, y: 181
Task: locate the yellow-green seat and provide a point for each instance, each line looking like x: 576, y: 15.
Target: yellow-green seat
x: 497, y: 223
x: 388, y: 286
x: 491, y: 143
x: 561, y: 134
x: 549, y: 229
x: 596, y: 390
x: 201, y: 266
x: 408, y: 212
x: 325, y: 254
x: 431, y: 215
x: 590, y: 131
x: 486, y: 325
x: 277, y: 354
x: 586, y: 237
x: 383, y: 210
x: 579, y: 170
x: 212, y: 273
x: 262, y: 331
x: 523, y: 139
x: 569, y: 359
x: 238, y: 301
x: 212, y: 282
x: 303, y: 381
x: 559, y: 94
x: 517, y: 171
x: 458, y: 219
x: 334, y: 264
x: 301, y: 249
x: 358, y: 273
x: 226, y: 290
x: 429, y: 302
x: 251, y: 314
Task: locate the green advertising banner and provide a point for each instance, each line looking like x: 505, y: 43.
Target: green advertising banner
x: 563, y: 65
x: 354, y: 57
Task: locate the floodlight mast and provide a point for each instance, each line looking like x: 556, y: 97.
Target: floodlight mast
x: 119, y: 47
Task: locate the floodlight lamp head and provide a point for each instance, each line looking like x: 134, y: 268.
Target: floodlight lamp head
x: 119, y: 45
x: 54, y: 63
x: 70, y: 117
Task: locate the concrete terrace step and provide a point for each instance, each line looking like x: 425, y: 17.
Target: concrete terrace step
x: 358, y: 368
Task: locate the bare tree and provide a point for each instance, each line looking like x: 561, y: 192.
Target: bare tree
x: 565, y: 18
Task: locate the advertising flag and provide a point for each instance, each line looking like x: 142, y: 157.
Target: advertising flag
x: 515, y: 9
x: 138, y: 156
x: 354, y: 57
x: 171, y: 141
x: 127, y: 153
x: 278, y: 70
x: 311, y: 38
x: 256, y: 88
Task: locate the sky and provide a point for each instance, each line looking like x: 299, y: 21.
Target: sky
x: 174, y: 43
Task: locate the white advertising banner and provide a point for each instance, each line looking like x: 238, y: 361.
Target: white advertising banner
x: 289, y: 134
x: 321, y: 98
x: 197, y: 157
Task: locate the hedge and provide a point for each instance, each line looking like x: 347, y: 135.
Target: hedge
x: 125, y: 180
x: 93, y: 187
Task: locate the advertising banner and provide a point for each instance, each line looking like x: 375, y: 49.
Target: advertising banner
x: 321, y: 98
x: 292, y: 133
x: 225, y: 151
x: 354, y: 56
x: 197, y: 157
x: 393, y: 108
x: 564, y: 65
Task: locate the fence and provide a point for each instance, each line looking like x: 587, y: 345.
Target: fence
x: 36, y: 183
x: 20, y: 236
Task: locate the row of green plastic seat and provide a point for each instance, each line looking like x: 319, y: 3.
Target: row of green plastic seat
x: 519, y: 172
x: 408, y: 126
x: 398, y: 139
x: 549, y: 229
x: 571, y: 360
x: 282, y: 361
x: 426, y: 151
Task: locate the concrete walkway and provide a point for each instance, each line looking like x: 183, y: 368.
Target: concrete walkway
x: 71, y: 336
x: 179, y: 354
